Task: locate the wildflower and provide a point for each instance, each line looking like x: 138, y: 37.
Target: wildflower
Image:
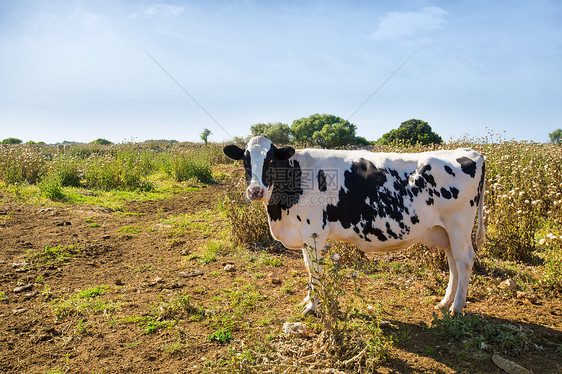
x: 542, y: 241
x: 336, y: 257
x: 551, y: 236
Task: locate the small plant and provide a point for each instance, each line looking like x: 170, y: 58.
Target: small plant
x: 3, y: 296
x: 53, y: 255
x: 247, y: 222
x: 474, y: 332
x: 221, y: 336
x: 51, y: 186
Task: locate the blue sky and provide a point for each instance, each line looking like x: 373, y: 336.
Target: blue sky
x: 79, y: 70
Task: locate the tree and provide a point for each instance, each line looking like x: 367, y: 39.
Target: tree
x: 205, y: 135
x: 556, y: 136
x: 11, y: 141
x: 325, y: 130
x: 278, y: 133
x: 101, y: 141
x: 411, y: 132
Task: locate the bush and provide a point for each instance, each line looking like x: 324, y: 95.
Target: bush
x: 247, y: 221
x: 18, y: 165
x: 123, y: 171
x: 183, y: 166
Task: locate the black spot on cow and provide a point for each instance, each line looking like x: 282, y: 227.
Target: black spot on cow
x: 365, y: 182
x: 446, y: 193
x: 299, y: 218
x: 468, y: 166
x: 285, y: 177
x: 449, y: 170
x: 415, y: 219
x: 308, y: 221
x: 481, y: 184
x: 455, y: 192
x: 322, y: 185
x: 430, y: 201
x: 247, y: 161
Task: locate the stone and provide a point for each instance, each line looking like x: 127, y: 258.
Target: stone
x: 296, y: 329
x: 26, y: 287
x: 509, y: 366
x: 275, y: 280
x: 190, y: 274
x: 229, y: 268
x: 508, y: 284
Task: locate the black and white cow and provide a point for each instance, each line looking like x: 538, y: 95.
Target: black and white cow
x: 378, y: 201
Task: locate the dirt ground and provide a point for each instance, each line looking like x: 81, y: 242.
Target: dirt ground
x: 142, y: 267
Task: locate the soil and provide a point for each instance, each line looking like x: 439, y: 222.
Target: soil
x: 142, y: 268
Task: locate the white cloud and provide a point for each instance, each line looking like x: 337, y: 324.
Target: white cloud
x: 401, y: 25
x: 162, y: 10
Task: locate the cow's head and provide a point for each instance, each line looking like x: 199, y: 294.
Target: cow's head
x: 260, y: 157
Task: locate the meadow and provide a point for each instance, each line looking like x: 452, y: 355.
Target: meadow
x: 147, y: 254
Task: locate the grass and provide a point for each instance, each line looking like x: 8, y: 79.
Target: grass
x: 53, y: 255
x: 84, y: 302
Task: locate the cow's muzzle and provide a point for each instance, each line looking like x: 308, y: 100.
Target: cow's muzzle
x: 255, y: 193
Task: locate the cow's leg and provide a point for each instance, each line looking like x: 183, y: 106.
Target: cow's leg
x: 463, y: 255
x: 447, y: 300
x: 312, y: 259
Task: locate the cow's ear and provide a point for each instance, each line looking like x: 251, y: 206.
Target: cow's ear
x: 233, y: 151
x: 284, y: 153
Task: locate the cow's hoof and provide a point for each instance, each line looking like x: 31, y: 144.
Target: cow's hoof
x: 440, y: 307
x: 310, y: 307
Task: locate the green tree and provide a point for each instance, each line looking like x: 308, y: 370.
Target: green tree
x: 556, y: 136
x: 325, y: 130
x: 411, y: 132
x: 101, y: 141
x: 205, y: 135
x: 278, y: 133
x: 11, y: 141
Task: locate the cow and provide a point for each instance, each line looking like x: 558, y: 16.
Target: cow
x: 380, y: 202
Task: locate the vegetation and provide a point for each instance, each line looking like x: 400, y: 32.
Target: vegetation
x: 101, y: 141
x: 556, y: 136
x: 325, y: 130
x: 11, y: 141
x: 411, y: 132
x: 278, y: 133
x: 205, y: 135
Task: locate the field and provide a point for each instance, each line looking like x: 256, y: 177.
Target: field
x: 145, y: 258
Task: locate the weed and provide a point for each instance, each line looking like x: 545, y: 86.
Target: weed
x: 53, y: 255
x: 475, y: 333
x: 247, y: 222
x: 83, y: 302
x: 51, y: 186
x: 130, y: 230
x: 221, y: 336
x: 3, y: 297
x: 171, y: 348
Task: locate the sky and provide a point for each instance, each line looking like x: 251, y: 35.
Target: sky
x: 138, y: 70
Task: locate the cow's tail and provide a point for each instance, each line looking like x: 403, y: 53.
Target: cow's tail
x: 481, y: 231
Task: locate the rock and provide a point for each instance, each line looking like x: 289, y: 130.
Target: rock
x: 31, y: 295
x: 508, y: 284
x: 62, y: 223
x: 229, y: 268
x: 18, y: 310
x: 21, y: 264
x: 509, y: 366
x: 119, y: 282
x: 156, y: 281
x: 190, y: 274
x: 105, y: 237
x: 297, y: 329
x: 26, y: 287
x: 276, y: 280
